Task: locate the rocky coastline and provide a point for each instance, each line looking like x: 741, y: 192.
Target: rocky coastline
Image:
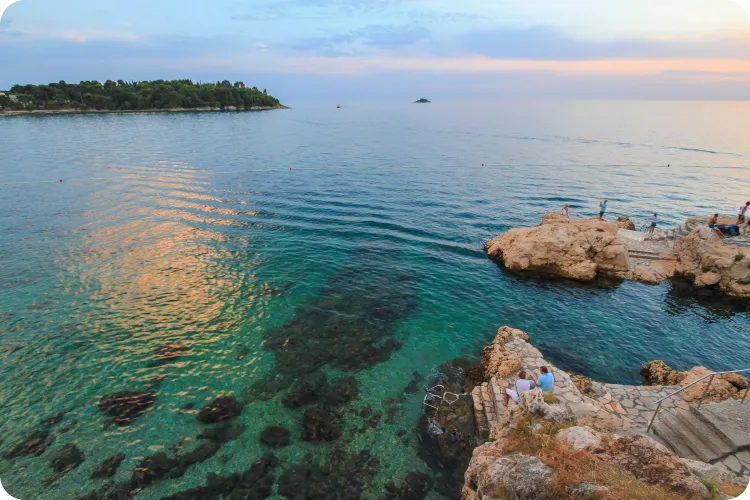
x: 586, y: 440
x: 135, y: 111
x: 587, y: 249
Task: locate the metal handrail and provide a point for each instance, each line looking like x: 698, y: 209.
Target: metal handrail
x: 710, y: 376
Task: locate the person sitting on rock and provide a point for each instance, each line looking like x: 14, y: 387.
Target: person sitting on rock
x: 545, y: 381
x: 521, y: 385
x: 713, y: 224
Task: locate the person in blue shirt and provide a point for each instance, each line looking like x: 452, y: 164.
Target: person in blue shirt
x: 546, y: 381
x: 602, y: 209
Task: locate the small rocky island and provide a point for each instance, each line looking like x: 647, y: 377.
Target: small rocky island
x: 421, y: 101
x: 584, y: 249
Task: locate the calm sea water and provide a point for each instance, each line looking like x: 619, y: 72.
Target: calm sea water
x: 313, y: 236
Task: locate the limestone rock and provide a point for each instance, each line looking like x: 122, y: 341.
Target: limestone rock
x: 505, y: 333
x: 719, y: 390
x: 714, y: 261
x: 576, y: 249
x: 651, y: 462
x: 496, y: 362
x: 511, y: 476
x: 712, y: 473
x: 580, y: 437
x: 737, y: 380
x: 623, y: 222
x: 532, y: 404
x: 657, y: 372
x: 586, y: 491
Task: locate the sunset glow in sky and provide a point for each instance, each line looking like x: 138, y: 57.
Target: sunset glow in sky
x: 299, y: 49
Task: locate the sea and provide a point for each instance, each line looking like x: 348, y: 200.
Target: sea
x: 260, y: 247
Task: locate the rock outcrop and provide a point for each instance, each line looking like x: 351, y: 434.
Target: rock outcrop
x: 722, y: 387
x: 575, y: 249
x: 584, y: 249
x: 713, y: 261
x: 512, y: 476
x: 564, y: 446
x: 651, y: 462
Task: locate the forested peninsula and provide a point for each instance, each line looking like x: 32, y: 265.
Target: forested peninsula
x: 121, y: 96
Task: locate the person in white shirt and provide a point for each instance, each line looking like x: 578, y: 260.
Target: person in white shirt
x: 521, y: 385
x: 564, y: 211
x: 654, y: 220
x: 741, y: 215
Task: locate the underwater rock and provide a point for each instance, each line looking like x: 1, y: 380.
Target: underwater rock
x: 413, y: 386
x: 223, y: 432
x: 275, y: 437
x: 223, y: 408
x: 109, y: 467
x: 344, y: 476
x: 349, y: 325
x: 446, y: 440
x: 366, y: 412
x: 124, y: 406
x: 155, y: 382
x: 168, y: 352
x: 255, y: 483
x: 160, y: 466
x: 306, y: 390
x: 322, y: 424
x: 53, y: 420
x: 341, y: 391
x: 33, y: 444
x: 415, y: 487
x: 67, y: 458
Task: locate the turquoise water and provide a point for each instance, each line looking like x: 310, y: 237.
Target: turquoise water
x: 315, y: 236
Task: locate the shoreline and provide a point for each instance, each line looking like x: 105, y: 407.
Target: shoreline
x: 133, y: 111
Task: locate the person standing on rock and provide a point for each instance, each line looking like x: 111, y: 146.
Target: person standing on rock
x: 652, y: 227
x: 741, y: 215
x: 564, y: 211
x: 602, y: 209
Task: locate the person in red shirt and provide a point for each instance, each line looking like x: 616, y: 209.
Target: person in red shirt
x: 741, y: 216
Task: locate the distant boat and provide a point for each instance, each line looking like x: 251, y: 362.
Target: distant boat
x: 422, y: 100
x: 338, y: 107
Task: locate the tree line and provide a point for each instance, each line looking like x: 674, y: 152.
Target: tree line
x: 125, y: 96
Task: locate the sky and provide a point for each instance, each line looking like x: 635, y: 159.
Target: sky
x: 374, y: 49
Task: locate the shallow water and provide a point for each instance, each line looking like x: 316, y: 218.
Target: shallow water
x: 316, y: 235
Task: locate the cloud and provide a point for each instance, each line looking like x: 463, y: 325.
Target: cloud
x: 549, y: 43
x: 360, y: 41
x: 312, y: 9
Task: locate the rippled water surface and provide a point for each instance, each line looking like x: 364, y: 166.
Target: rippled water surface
x: 267, y: 245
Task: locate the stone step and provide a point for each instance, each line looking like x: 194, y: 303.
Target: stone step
x: 489, y: 405
x: 479, y: 416
x: 694, y: 441
x: 730, y: 419
x: 714, y: 446
x: 662, y: 428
